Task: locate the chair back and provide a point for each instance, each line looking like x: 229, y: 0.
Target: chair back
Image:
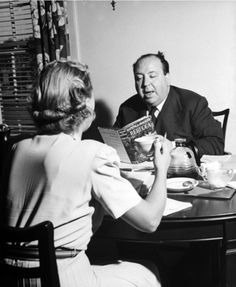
x: 222, y: 117
x: 4, y: 132
x: 11, y: 247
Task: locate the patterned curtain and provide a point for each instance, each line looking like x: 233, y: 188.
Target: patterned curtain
x: 51, y: 35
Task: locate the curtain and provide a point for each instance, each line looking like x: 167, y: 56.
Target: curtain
x: 32, y: 33
x: 18, y: 65
x: 51, y: 37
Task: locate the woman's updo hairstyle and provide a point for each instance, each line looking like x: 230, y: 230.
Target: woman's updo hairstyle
x: 58, y: 102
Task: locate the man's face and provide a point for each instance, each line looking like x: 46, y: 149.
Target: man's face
x: 90, y: 105
x: 150, y: 82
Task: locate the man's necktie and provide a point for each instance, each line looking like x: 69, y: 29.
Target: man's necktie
x: 154, y: 114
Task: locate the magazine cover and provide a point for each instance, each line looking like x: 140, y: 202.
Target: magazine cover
x: 123, y: 139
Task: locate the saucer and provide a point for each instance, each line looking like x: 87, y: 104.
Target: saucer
x: 181, y: 184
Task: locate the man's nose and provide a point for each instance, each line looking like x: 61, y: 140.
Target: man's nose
x: 146, y: 81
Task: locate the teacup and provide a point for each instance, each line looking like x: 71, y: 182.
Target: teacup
x: 218, y: 178
x: 144, y: 144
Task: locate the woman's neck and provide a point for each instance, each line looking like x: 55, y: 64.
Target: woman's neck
x: 76, y: 135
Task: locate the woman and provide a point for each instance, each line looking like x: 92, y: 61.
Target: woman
x: 55, y: 174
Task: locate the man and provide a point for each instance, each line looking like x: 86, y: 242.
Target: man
x: 176, y: 112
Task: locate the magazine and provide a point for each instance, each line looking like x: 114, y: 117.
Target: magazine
x: 123, y: 139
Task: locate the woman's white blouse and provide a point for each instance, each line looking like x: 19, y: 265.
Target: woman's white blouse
x: 53, y: 178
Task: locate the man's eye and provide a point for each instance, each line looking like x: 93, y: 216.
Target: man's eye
x: 138, y: 78
x: 153, y: 75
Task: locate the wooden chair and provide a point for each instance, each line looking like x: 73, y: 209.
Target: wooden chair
x: 222, y: 117
x: 11, y: 247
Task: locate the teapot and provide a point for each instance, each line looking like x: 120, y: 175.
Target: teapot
x: 183, y: 162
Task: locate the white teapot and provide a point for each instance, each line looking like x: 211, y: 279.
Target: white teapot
x: 183, y: 161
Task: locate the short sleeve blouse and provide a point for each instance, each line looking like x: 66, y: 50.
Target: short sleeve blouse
x: 115, y: 193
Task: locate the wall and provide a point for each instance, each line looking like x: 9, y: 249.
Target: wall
x: 197, y: 37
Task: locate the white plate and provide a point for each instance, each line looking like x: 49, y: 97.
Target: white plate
x: 181, y: 184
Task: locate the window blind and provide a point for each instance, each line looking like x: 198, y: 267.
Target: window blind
x: 18, y: 67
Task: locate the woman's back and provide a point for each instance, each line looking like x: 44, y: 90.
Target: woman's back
x: 50, y: 180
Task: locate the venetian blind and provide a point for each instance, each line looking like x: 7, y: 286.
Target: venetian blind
x: 17, y: 64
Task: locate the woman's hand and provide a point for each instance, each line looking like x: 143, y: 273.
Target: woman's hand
x: 162, y: 156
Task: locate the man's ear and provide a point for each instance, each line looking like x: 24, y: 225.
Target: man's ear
x: 167, y: 75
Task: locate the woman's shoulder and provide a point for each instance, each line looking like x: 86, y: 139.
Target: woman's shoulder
x: 101, y: 149
x: 102, y: 152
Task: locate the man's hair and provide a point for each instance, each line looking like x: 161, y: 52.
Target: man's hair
x: 160, y: 56
x: 58, y: 102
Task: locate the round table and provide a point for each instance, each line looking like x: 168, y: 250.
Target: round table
x: 207, y: 220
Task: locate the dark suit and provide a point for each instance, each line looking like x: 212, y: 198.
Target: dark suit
x: 184, y: 114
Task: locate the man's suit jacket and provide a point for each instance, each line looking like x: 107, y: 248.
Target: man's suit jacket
x: 184, y: 114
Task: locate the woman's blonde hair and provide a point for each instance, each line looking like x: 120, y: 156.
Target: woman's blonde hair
x: 58, y: 102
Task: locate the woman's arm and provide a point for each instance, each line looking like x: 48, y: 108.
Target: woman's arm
x: 147, y: 214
